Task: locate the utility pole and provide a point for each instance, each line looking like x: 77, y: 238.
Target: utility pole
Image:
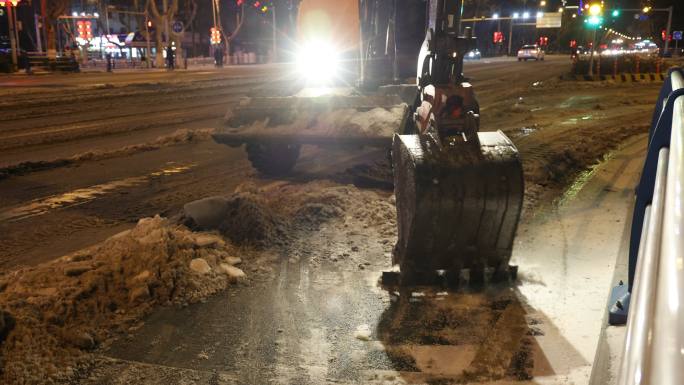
x: 591, y: 58
x: 43, y: 18
x: 148, y: 57
x: 275, y: 44
x: 13, y: 36
x: 669, y: 11
x: 510, y: 36
x: 17, y: 25
x: 669, y: 27
x: 106, y: 7
x: 39, y: 39
x: 213, y: 10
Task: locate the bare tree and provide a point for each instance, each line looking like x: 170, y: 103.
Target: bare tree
x: 188, y: 19
x: 239, y: 21
x: 163, y: 19
x: 55, y: 9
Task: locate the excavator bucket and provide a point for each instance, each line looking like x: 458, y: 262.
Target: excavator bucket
x: 458, y: 205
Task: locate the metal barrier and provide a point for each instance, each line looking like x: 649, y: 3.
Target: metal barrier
x: 652, y: 304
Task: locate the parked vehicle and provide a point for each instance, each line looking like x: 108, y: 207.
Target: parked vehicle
x: 530, y: 52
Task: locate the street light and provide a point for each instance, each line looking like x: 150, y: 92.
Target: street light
x: 516, y: 15
x: 495, y: 16
x: 646, y: 9
x: 526, y: 15
x: 595, y: 9
x: 540, y: 14
x: 595, y: 20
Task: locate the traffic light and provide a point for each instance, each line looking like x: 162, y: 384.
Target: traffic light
x: 84, y: 29
x: 594, y: 21
x: 543, y: 40
x: 498, y: 37
x: 615, y: 13
x: 595, y: 9
x: 595, y: 14
x: 261, y: 6
x: 215, y: 36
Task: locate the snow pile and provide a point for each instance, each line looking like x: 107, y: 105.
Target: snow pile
x: 562, y: 159
x: 272, y: 215
x: 375, y: 122
x: 80, y: 301
x: 245, y: 218
x: 51, y: 315
x: 379, y: 121
x: 316, y: 202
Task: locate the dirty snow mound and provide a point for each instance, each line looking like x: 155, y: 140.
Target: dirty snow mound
x: 78, y: 302
x: 271, y: 215
x: 375, y: 122
x: 378, y: 121
x: 250, y: 221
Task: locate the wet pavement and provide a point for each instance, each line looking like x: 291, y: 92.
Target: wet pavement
x: 308, y: 320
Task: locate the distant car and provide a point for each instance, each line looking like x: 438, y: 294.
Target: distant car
x: 473, y: 55
x: 5, y: 45
x: 530, y: 52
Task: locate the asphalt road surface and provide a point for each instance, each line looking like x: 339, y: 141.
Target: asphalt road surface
x: 83, y: 157
x: 59, y: 116
x: 303, y: 326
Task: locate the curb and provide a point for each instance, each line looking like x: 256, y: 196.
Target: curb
x: 621, y: 78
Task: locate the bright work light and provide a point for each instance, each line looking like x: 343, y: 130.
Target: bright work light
x: 318, y: 62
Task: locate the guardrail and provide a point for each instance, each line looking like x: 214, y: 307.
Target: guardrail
x: 652, y: 304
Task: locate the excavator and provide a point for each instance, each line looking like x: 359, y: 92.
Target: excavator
x: 458, y: 190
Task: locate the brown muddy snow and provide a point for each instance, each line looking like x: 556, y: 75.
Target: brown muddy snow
x: 344, y: 122
x: 57, y: 312
x: 82, y: 300
x: 463, y: 337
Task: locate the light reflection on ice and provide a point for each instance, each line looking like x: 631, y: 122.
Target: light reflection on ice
x: 84, y: 195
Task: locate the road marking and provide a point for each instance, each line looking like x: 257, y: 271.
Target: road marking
x: 84, y: 195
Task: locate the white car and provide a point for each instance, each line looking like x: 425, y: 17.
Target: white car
x: 530, y: 52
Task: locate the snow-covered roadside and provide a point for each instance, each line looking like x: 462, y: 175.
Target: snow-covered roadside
x: 54, y: 314
x: 57, y: 311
